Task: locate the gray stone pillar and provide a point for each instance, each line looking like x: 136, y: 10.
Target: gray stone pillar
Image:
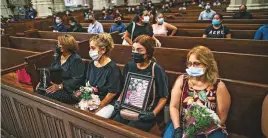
x: 42, y: 7
x: 257, y: 4
x: 234, y: 4
x: 156, y: 1
x: 59, y: 5
x: 133, y: 2
x: 99, y: 4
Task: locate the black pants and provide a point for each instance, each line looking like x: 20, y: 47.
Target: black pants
x: 60, y: 95
x: 142, y: 125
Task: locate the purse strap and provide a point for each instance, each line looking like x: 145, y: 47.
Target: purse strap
x: 182, y: 92
x: 133, y: 28
x: 152, y: 103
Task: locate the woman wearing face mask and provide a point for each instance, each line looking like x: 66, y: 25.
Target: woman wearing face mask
x: 217, y: 29
x: 161, y: 27
x: 59, y: 27
x: 75, y: 26
x: 142, y: 54
x: 202, y: 76
x: 72, y: 74
x: 142, y: 26
x: 103, y: 73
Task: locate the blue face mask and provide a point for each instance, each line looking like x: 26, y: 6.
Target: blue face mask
x: 57, y: 21
x: 195, y: 71
x: 72, y: 24
x: 216, y: 22
x: 160, y: 20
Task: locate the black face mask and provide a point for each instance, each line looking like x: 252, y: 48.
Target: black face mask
x: 137, y: 57
x: 90, y: 21
x: 118, y: 22
x: 58, y: 49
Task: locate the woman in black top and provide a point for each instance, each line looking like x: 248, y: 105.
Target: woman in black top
x: 142, y: 54
x: 217, y: 29
x: 102, y: 72
x: 142, y: 26
x: 74, y: 26
x: 72, y: 66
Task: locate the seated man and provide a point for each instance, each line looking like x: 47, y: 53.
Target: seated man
x: 106, y: 16
x: 118, y: 26
x: 243, y: 13
x: 262, y: 33
x: 217, y: 29
x: 94, y: 26
x: 207, y: 14
x: 59, y: 27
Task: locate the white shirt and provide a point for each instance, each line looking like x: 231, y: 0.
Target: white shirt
x: 206, y: 15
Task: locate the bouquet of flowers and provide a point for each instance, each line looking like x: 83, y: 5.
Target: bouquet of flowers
x: 89, y: 100
x: 200, y: 120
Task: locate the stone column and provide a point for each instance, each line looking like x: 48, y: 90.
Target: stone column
x: 234, y: 5
x: 59, y: 5
x: 133, y: 2
x: 99, y: 4
x: 119, y: 2
x: 257, y: 4
x: 156, y: 1
x: 42, y: 7
x: 4, y: 10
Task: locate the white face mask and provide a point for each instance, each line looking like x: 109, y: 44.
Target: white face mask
x: 146, y: 19
x: 94, y: 55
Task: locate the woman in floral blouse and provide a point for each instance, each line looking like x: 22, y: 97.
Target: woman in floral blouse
x: 202, y: 85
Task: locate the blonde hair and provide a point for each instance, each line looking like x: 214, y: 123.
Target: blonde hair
x: 68, y: 42
x: 206, y: 57
x: 103, y: 40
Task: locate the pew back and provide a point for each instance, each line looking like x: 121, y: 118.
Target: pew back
x: 236, y: 66
x: 222, y: 45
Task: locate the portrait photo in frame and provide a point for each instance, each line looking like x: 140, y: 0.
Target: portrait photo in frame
x: 136, y: 92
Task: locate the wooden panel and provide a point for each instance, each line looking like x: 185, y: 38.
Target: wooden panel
x: 8, y: 119
x: 235, y: 66
x: 53, y: 127
x: 12, y: 57
x: 29, y: 105
x: 220, y: 45
x: 79, y: 132
x: 27, y: 119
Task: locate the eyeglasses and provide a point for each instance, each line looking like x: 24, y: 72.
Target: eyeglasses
x: 195, y: 64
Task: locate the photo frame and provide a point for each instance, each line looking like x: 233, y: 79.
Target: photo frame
x: 136, y: 92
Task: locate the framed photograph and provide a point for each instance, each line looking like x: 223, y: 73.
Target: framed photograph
x: 136, y: 92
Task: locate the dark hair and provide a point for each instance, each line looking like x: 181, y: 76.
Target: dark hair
x: 140, y: 13
x: 148, y: 42
x: 72, y: 19
x: 220, y: 16
x: 116, y: 15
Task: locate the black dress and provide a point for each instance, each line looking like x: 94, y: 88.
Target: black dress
x: 108, y: 79
x: 72, y: 78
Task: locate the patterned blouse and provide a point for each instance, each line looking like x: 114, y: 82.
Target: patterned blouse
x: 206, y: 96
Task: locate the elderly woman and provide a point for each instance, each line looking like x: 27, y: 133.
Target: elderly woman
x: 202, y: 77
x: 142, y: 63
x: 72, y: 66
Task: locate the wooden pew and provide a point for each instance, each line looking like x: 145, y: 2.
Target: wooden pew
x: 245, y: 67
x: 25, y: 114
x: 221, y: 45
x: 13, y: 59
x: 255, y: 27
x: 41, y: 45
x: 240, y: 118
x: 78, y: 36
x: 229, y: 21
x: 5, y: 41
